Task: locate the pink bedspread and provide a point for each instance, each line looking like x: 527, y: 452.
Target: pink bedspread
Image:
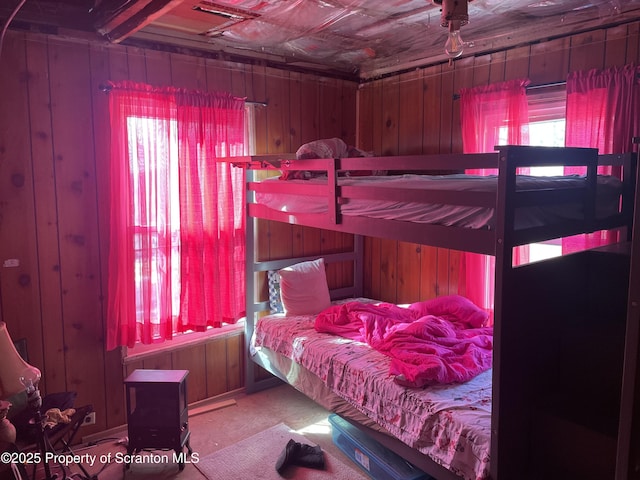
x: 437, y: 341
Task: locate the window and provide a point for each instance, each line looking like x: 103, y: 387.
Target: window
x: 546, y: 129
x: 151, y: 228
x: 141, y: 131
x: 176, y: 260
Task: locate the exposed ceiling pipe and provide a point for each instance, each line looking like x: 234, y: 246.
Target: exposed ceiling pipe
x: 6, y: 24
x: 133, y: 17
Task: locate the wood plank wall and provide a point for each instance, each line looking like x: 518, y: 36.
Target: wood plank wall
x: 415, y: 112
x: 54, y: 138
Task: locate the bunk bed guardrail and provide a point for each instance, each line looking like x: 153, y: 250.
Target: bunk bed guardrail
x: 507, y: 198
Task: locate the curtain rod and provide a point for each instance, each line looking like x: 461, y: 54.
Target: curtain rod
x: 456, y: 96
x: 545, y: 85
x: 107, y: 88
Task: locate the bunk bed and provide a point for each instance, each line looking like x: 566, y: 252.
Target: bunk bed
x: 496, y: 217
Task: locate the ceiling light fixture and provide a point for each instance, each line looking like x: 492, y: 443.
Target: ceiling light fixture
x: 454, y: 15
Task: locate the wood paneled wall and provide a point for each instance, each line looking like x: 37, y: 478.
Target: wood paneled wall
x: 415, y: 112
x: 54, y: 138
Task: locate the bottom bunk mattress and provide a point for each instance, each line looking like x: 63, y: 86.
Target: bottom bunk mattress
x: 450, y: 424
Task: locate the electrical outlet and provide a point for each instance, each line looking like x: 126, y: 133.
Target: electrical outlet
x: 89, y: 419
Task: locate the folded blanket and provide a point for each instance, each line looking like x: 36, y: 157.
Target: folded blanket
x: 435, y: 341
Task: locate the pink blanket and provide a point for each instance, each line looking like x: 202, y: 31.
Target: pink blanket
x: 436, y: 341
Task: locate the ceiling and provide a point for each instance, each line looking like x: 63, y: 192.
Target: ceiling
x: 355, y: 38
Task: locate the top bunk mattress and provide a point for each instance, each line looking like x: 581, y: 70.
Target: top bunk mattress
x: 608, y: 200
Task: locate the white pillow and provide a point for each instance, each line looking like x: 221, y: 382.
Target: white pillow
x: 304, y: 289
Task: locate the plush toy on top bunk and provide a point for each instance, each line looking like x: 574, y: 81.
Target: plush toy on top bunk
x: 327, y: 148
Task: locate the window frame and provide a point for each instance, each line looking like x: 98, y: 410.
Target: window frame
x: 190, y: 337
x: 546, y: 104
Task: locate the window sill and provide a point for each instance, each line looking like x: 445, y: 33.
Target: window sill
x: 140, y: 352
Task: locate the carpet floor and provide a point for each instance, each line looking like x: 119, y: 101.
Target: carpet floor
x: 255, y: 458
x: 217, y: 429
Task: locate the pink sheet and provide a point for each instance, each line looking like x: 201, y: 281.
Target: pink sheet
x: 438, y: 341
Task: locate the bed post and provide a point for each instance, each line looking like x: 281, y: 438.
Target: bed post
x: 253, y: 307
x: 502, y: 267
x: 358, y: 266
x: 250, y: 280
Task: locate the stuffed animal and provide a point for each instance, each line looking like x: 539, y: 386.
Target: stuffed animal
x: 54, y: 416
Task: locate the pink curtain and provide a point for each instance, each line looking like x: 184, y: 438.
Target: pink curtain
x: 603, y: 113
x: 212, y: 200
x: 491, y: 115
x: 176, y: 257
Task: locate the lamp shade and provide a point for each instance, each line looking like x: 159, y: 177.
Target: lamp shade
x: 12, y: 366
